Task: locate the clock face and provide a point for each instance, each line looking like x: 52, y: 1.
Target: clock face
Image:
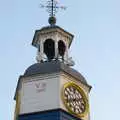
x: 75, y: 99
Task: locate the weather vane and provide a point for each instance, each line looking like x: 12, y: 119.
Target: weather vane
x: 52, y: 8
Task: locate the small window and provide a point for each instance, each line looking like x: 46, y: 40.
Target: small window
x: 49, y: 49
x: 61, y: 48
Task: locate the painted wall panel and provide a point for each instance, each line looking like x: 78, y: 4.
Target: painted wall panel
x: 49, y: 115
x: 40, y: 95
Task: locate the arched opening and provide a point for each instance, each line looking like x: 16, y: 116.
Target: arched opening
x: 49, y: 49
x: 61, y: 48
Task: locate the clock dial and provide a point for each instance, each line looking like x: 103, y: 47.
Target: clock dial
x: 74, y: 99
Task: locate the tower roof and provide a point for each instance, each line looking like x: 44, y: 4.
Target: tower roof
x: 52, y: 29
x: 53, y: 67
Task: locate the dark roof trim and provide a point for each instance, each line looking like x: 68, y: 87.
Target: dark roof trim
x: 60, y: 112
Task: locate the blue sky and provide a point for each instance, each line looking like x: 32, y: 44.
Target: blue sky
x: 95, y: 49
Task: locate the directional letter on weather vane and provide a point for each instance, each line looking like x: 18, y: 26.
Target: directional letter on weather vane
x: 52, y: 7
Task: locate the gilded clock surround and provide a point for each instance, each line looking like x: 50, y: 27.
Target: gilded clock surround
x: 82, y: 93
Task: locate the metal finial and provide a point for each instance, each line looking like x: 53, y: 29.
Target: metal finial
x: 52, y: 8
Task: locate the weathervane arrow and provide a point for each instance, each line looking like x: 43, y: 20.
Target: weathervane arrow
x: 52, y: 8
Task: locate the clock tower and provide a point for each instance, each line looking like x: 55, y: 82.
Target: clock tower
x: 52, y: 89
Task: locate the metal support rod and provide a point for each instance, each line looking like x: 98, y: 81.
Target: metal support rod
x: 52, y: 8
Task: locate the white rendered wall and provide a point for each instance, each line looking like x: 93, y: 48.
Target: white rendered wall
x: 45, y: 93
x: 39, y: 95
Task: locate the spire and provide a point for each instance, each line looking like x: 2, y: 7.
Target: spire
x: 52, y: 8
x: 52, y: 41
